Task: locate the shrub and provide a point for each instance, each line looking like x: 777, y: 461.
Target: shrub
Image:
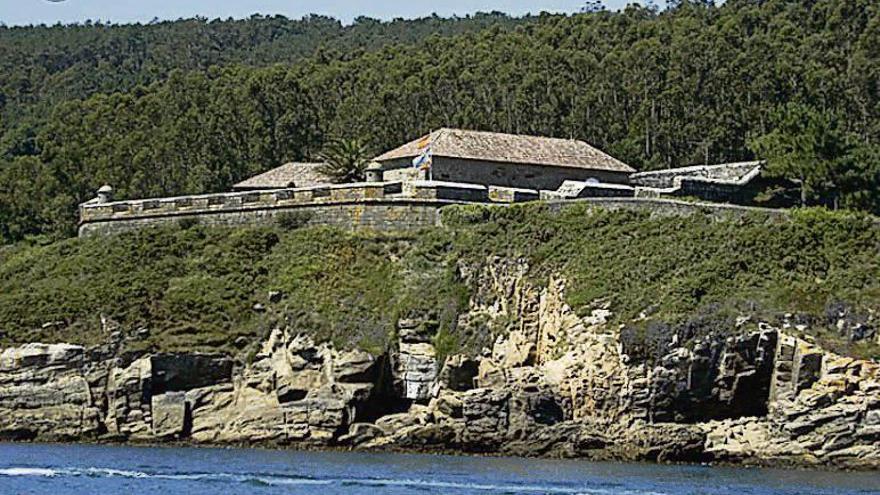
x: 187, y: 223
x: 292, y: 220
x: 196, y: 288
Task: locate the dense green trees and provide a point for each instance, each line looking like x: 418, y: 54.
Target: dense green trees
x: 193, y: 106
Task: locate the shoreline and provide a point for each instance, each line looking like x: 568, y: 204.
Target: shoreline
x: 778, y: 465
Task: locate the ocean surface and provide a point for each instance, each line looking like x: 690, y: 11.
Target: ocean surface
x: 75, y: 469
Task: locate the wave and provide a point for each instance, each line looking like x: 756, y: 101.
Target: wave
x: 503, y: 488
x: 474, y: 486
x: 113, y: 473
x: 25, y: 471
x: 95, y: 472
x: 270, y: 479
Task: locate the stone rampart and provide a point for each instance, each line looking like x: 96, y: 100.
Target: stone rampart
x: 728, y: 172
x: 378, y: 206
x: 670, y: 207
x: 386, y: 206
x: 387, y: 215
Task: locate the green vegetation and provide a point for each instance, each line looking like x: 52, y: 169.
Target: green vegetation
x: 345, y: 160
x: 194, y: 106
x: 203, y: 288
x: 292, y: 220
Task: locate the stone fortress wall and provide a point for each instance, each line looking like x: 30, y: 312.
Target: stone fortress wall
x: 379, y: 206
x: 384, y: 206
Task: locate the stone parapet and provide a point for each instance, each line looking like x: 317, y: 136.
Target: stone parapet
x: 668, y: 207
x: 378, y: 206
x: 387, y: 206
x: 512, y: 195
x: 236, y: 201
x: 452, y: 191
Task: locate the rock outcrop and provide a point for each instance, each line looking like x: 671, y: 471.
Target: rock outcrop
x: 552, y: 383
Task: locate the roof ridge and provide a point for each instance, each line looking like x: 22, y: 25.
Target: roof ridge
x: 512, y: 148
x: 499, y: 133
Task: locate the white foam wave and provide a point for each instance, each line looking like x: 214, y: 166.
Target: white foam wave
x: 115, y: 473
x: 96, y: 472
x: 482, y: 487
x: 292, y: 481
x: 276, y: 480
x: 506, y: 488
x: 22, y: 471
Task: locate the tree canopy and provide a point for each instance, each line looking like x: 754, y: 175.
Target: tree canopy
x: 193, y: 106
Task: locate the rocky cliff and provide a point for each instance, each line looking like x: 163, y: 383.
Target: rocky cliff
x: 552, y: 383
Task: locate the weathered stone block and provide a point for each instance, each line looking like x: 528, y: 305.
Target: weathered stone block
x: 170, y: 413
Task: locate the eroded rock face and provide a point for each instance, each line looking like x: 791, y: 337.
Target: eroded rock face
x: 417, y: 366
x: 44, y: 393
x: 294, y: 391
x: 552, y: 383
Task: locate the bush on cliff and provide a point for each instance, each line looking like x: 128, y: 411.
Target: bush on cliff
x: 672, y: 268
x: 205, y: 288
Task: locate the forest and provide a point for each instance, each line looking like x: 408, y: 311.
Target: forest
x: 194, y: 105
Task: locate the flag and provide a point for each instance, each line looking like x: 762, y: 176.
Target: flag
x: 424, y: 160
x: 426, y: 156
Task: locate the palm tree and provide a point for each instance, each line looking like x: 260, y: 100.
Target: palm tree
x: 345, y: 160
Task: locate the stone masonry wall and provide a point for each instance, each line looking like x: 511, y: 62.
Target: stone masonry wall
x: 385, y: 206
x: 667, y: 178
x: 504, y: 174
x: 396, y: 215
x: 376, y: 206
x: 374, y: 216
x: 669, y: 207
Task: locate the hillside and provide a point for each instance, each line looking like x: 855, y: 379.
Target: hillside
x: 203, y: 288
x: 524, y: 331
x: 193, y: 106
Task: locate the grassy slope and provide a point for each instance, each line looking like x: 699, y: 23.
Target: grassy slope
x: 196, y: 288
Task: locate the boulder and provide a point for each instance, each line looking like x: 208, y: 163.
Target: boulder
x: 170, y: 414
x: 485, y: 412
x: 428, y: 436
x: 354, y: 367
x: 447, y: 404
x: 361, y: 433
x: 394, y: 423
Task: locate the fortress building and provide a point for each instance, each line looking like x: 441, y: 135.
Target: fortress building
x: 407, y: 186
x: 505, y: 160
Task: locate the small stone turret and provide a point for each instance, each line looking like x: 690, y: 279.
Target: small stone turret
x: 105, y: 194
x: 375, y: 173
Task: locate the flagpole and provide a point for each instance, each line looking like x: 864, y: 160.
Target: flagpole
x: 426, y: 158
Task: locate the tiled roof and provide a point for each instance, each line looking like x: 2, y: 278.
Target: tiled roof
x: 496, y: 147
x: 287, y: 175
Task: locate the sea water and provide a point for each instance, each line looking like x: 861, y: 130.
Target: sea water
x: 87, y: 469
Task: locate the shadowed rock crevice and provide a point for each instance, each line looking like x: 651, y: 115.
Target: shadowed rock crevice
x: 383, y: 400
x: 181, y: 372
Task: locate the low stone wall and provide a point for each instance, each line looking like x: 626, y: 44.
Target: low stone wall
x: 670, y: 207
x: 376, y: 215
x: 662, y: 179
x: 386, y: 206
x: 376, y: 206
x: 237, y: 201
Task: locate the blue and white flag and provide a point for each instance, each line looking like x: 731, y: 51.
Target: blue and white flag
x: 424, y: 160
